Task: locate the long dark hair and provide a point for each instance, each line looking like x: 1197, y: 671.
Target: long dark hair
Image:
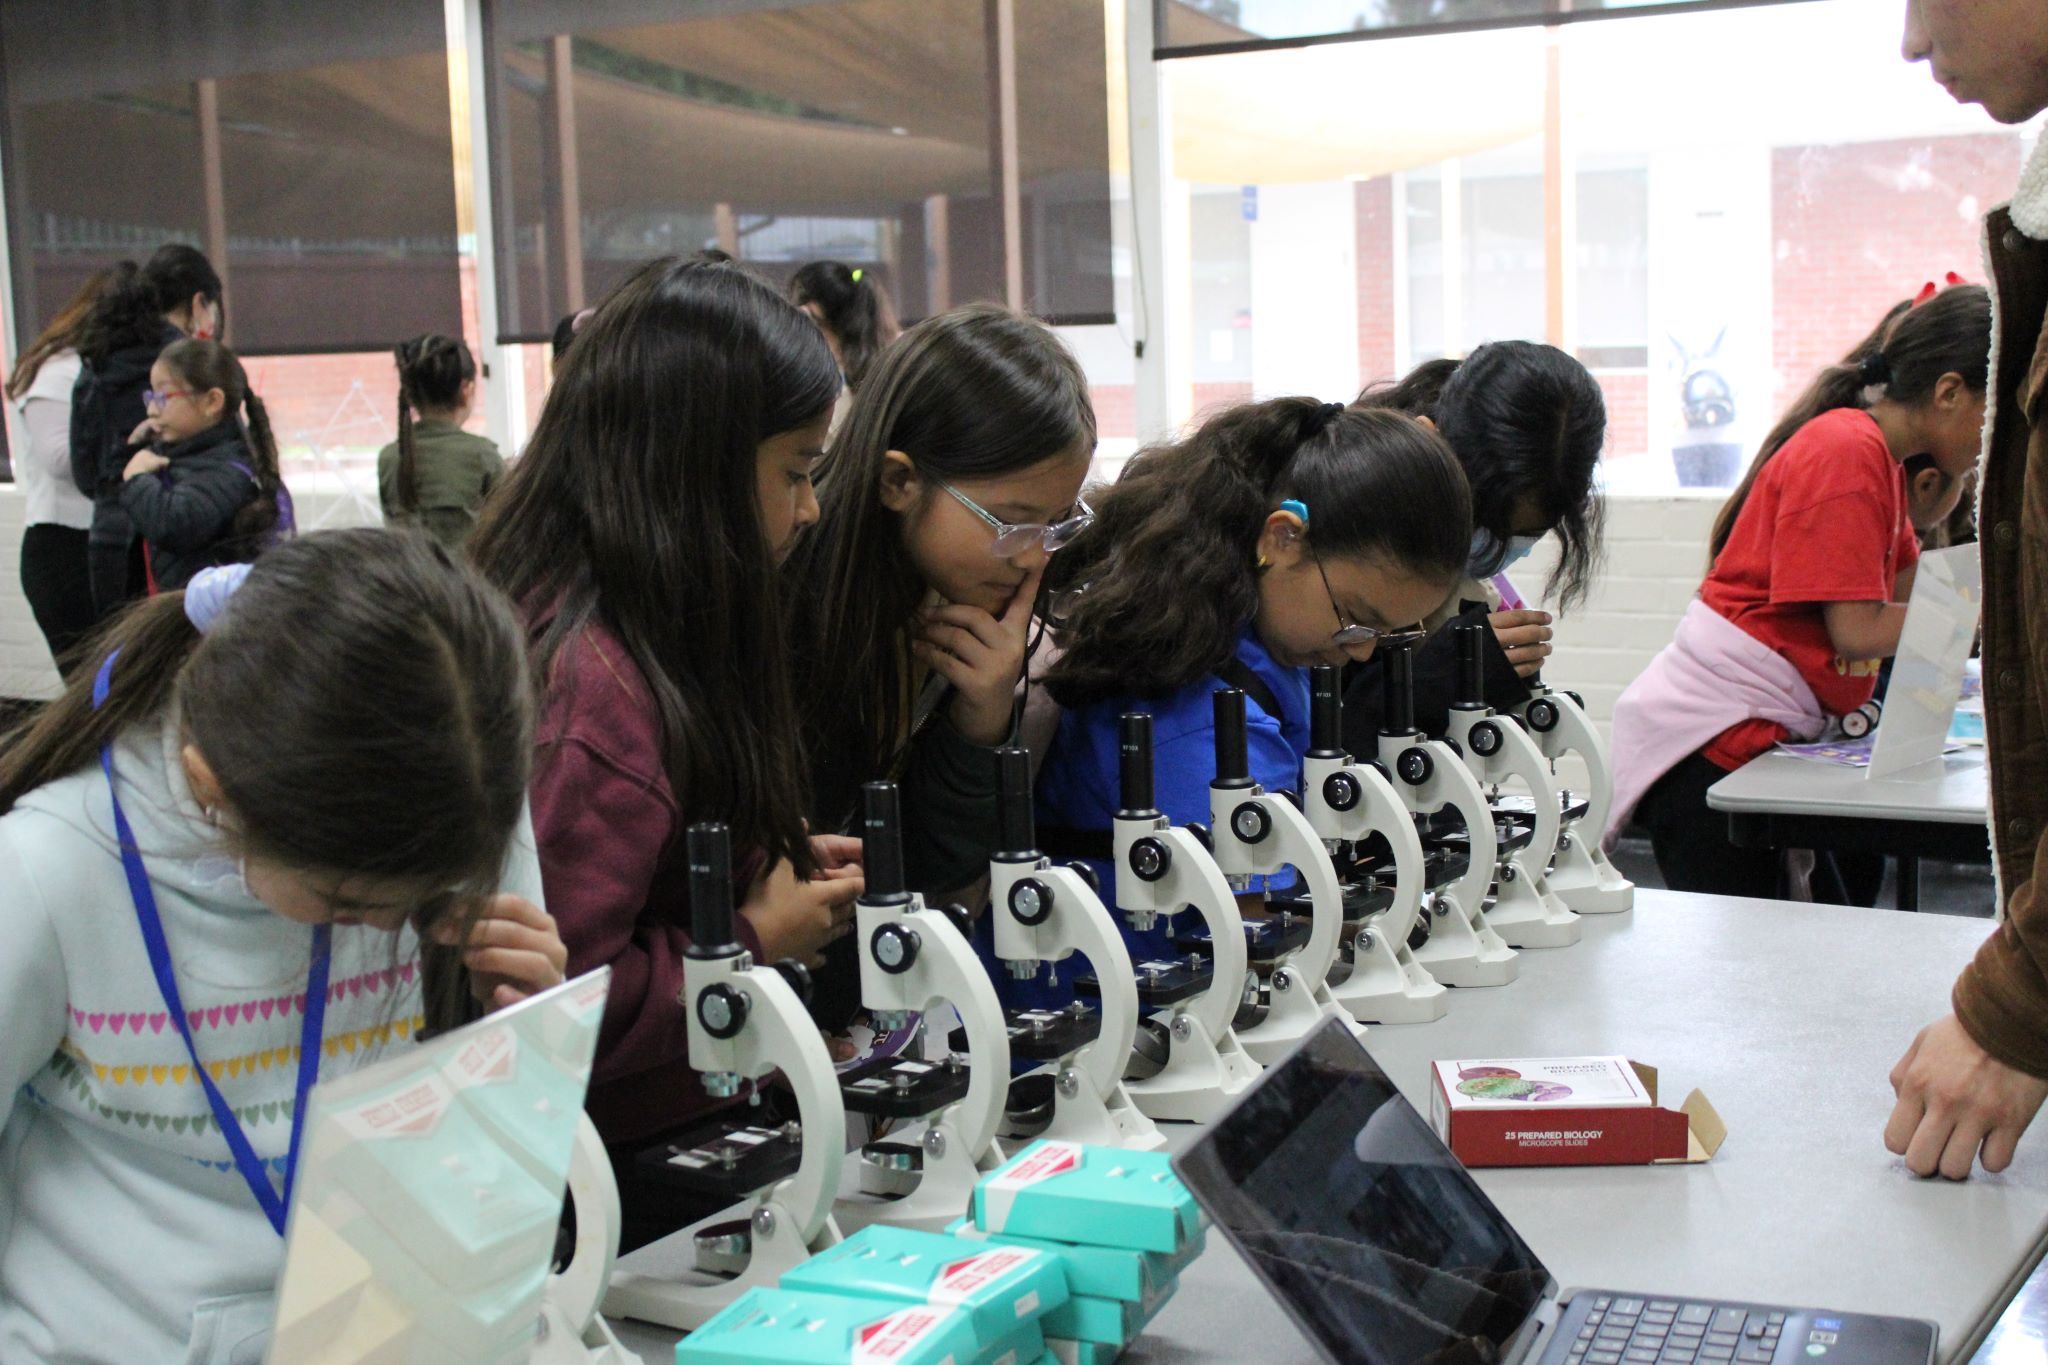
x: 855, y: 309
x: 204, y: 365
x: 1170, y: 565
x: 1527, y: 421
x: 61, y: 334
x: 1948, y: 334
x: 636, y: 505
x: 132, y: 308
x: 971, y: 394
x: 362, y: 701
x: 431, y: 372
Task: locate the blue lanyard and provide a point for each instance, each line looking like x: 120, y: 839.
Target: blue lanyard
x: 151, y: 923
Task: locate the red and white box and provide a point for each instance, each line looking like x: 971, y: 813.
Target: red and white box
x: 1566, y: 1111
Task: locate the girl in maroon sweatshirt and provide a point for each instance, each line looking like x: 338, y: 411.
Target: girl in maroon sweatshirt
x: 640, y: 531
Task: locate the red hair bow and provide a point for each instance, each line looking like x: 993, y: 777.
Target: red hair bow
x: 1930, y: 289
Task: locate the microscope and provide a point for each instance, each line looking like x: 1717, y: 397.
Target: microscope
x: 1257, y: 832
x: 746, y: 1022
x: 1044, y: 913
x: 1462, y: 949
x: 910, y: 957
x: 1347, y: 803
x: 1162, y: 870
x: 1582, y: 876
x: 1525, y: 912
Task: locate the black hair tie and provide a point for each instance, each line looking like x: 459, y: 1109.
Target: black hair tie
x: 1874, y: 370
x: 1319, y: 420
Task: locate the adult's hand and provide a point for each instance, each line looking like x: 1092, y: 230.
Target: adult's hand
x: 1956, y: 1101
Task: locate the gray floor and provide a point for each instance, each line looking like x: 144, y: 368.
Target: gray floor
x: 1945, y: 888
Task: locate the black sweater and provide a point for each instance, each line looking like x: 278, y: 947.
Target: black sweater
x: 187, y: 512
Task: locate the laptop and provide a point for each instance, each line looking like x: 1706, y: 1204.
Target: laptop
x: 1384, y: 1250
x: 429, y: 1190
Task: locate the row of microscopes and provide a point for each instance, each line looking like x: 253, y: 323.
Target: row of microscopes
x: 1435, y: 876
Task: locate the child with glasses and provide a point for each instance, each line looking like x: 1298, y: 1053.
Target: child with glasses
x: 1279, y: 535
x: 954, y: 480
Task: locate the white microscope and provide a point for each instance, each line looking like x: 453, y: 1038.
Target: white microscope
x: 1462, y: 949
x: 1042, y: 913
x: 1162, y: 870
x: 912, y: 956
x: 1581, y: 876
x: 746, y: 1022
x: 1525, y: 912
x: 1260, y: 833
x: 1347, y: 803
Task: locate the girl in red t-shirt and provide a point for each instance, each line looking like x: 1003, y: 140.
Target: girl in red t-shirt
x: 1813, y: 556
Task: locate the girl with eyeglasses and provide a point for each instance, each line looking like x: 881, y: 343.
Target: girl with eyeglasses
x: 1279, y: 535
x: 955, y: 480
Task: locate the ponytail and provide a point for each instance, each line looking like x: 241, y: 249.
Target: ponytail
x: 154, y: 639
x: 1170, y: 567
x: 132, y: 308
x: 1906, y: 357
x: 431, y: 372
x: 408, y: 458
x: 852, y: 307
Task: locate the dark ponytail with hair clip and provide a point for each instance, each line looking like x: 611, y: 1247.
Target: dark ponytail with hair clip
x: 852, y: 307
x: 1948, y: 333
x: 431, y: 372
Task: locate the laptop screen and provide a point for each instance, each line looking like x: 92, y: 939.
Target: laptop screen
x: 1369, y: 1231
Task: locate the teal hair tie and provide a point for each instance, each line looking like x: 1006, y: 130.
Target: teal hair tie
x: 1298, y: 507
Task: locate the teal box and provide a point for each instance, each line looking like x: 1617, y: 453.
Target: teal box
x: 1105, y: 1322
x: 780, y: 1327
x: 1024, y: 1347
x: 1101, y: 1272
x: 1001, y: 1288
x: 1096, y: 1196
x: 1084, y: 1353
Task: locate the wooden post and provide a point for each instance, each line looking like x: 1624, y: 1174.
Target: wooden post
x: 213, y: 183
x: 938, y: 248
x: 566, y: 210
x: 1001, y: 17
x: 727, y: 224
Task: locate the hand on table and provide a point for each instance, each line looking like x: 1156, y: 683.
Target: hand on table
x: 1956, y: 1099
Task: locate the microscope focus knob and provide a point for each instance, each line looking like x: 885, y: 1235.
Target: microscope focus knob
x: 1486, y: 738
x: 1150, y: 859
x: 1544, y: 715
x: 798, y: 976
x: 1341, y: 791
x: 1415, y: 766
x: 1250, y: 823
x: 1086, y: 872
x: 1577, y: 700
x: 722, y: 1010
x: 895, y: 948
x: 1202, y: 835
x: 1030, y: 902
x: 962, y: 918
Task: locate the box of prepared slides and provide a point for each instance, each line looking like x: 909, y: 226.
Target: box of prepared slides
x: 1100, y: 1272
x: 1001, y: 1288
x: 1105, y: 1322
x: 1024, y: 1346
x: 1100, y: 1196
x: 783, y: 1327
x: 1566, y: 1111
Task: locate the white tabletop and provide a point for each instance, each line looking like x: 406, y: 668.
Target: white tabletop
x: 1950, y: 790
x: 1789, y: 1017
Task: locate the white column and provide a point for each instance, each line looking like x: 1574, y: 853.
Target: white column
x: 468, y: 70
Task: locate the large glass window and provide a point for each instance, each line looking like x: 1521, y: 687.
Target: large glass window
x: 1200, y: 25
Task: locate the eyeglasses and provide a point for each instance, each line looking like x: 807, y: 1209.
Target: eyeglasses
x: 1015, y: 539
x: 1348, y: 634
x: 152, y: 399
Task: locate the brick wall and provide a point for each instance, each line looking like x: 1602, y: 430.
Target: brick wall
x: 1857, y: 228
x: 1375, y: 217
x: 1628, y: 411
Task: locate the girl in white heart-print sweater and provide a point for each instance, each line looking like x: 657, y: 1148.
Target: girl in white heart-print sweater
x: 345, y: 745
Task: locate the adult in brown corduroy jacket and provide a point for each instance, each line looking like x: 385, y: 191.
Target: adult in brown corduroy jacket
x: 1973, y: 1081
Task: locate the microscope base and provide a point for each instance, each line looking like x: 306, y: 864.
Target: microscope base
x: 1586, y: 881
x: 559, y: 1344
x: 1295, y: 1013
x: 1464, y: 951
x: 1527, y: 915
x: 943, y: 1192
x: 1387, y: 985
x: 1088, y: 1117
x: 686, y: 1307
x: 1201, y: 1077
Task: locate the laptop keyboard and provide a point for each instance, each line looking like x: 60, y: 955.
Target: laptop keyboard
x: 1622, y: 1331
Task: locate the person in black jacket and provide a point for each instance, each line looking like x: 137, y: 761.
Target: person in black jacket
x: 207, y: 490
x: 1528, y: 423
x: 176, y: 294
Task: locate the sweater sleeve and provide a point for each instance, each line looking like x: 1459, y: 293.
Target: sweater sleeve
x: 33, y: 991
x: 2001, y: 998
x: 187, y: 515
x: 600, y: 831
x: 949, y: 803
